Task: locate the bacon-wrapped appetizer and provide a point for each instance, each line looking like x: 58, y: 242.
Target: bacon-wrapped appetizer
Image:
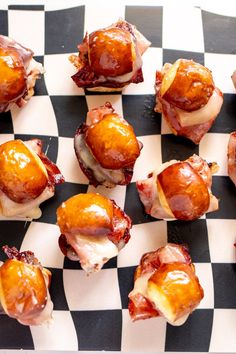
x: 187, y: 97
x: 19, y: 72
x: 110, y: 58
x: 179, y: 189
x: 232, y: 157
x: 165, y: 285
x: 93, y: 230
x: 106, y: 148
x: 24, y: 285
x: 27, y: 178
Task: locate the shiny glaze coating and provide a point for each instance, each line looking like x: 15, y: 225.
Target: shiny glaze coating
x: 177, y: 287
x: 111, y: 52
x: 185, y: 191
x: 23, y: 291
x: 88, y: 214
x: 192, y: 86
x: 112, y: 142
x: 23, y: 176
x: 13, y: 75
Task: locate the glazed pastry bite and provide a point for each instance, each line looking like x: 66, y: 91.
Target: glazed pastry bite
x: 19, y: 72
x: 110, y: 58
x: 24, y: 285
x: 93, y: 230
x: 187, y: 97
x: 232, y: 157
x: 106, y: 148
x: 165, y: 284
x: 27, y: 178
x: 179, y: 190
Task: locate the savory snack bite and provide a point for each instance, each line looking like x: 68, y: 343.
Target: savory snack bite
x: 93, y: 230
x: 179, y: 189
x: 110, y: 58
x: 24, y: 285
x: 232, y: 157
x: 106, y: 147
x: 27, y: 178
x: 233, y: 77
x: 187, y: 97
x: 19, y: 72
x: 165, y: 284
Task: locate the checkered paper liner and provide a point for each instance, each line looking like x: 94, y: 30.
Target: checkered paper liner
x: 90, y: 313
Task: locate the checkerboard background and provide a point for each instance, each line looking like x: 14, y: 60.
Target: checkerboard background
x: 90, y: 313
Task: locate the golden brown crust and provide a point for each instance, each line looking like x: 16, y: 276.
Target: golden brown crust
x: 185, y: 191
x: 111, y: 52
x: 179, y: 286
x: 88, y: 214
x: 192, y: 86
x: 23, y: 176
x: 112, y: 142
x: 23, y: 291
x: 13, y: 75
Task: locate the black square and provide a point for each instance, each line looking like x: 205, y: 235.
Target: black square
x: 126, y: 284
x: 225, y: 121
x: 98, y: 330
x: 68, y: 264
x: 193, y: 336
x: 224, y: 276
x: 64, y: 30
x: 140, y: 114
x: 57, y: 290
x: 148, y: 20
x: 50, y: 144
x: 171, y: 55
x: 219, y: 33
x: 177, y: 148
x: 134, y: 207
x: 193, y: 234
x: 26, y: 7
x: 40, y: 87
x: 14, y: 335
x: 12, y: 233
x: 70, y: 112
x: 6, y: 125
x: 63, y: 192
x: 3, y: 22
x: 224, y: 189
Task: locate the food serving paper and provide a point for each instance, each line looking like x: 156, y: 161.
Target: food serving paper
x: 90, y: 313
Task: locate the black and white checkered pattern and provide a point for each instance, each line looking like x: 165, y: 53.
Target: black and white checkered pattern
x: 90, y: 313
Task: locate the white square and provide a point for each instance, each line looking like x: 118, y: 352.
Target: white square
x: 94, y: 101
x: 182, y: 28
x: 152, y: 60
x: 42, y: 239
x: 213, y: 148
x: 150, y: 157
x: 6, y: 137
x: 223, y: 338
x: 165, y: 129
x: 27, y: 28
x: 58, y: 72
x: 58, y: 335
x: 221, y: 238
x: 204, y: 274
x: 143, y: 336
x: 106, y: 14
x: 222, y: 67
x: 144, y: 238
x: 99, y: 291
x: 117, y: 194
x: 37, y: 117
x: 68, y: 163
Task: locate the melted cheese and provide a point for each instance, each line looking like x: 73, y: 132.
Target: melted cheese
x: 93, y: 251
x: 202, y: 115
